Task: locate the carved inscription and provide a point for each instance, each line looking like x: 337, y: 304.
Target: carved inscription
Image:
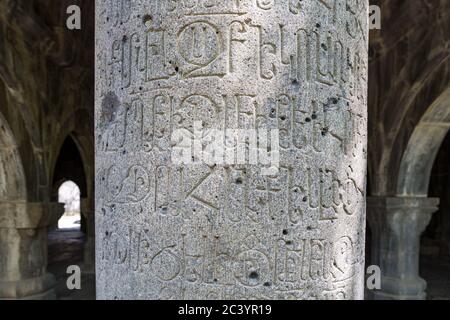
x: 204, y: 49
x: 287, y: 267
x: 230, y: 229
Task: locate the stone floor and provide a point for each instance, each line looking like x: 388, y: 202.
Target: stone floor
x: 436, y: 271
x: 65, y: 248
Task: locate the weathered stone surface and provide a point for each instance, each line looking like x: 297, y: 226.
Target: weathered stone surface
x: 231, y: 230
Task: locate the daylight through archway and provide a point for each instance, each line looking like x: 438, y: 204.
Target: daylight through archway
x: 69, y: 194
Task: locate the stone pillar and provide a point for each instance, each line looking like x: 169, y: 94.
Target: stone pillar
x: 87, y: 210
x: 23, y: 249
x: 396, y: 225
x: 231, y: 149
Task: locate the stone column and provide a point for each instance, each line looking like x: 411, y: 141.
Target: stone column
x: 396, y: 225
x: 231, y: 149
x: 23, y: 249
x: 87, y: 210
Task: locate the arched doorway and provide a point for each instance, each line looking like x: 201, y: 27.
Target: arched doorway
x: 69, y: 194
x: 68, y: 240
x: 435, y: 241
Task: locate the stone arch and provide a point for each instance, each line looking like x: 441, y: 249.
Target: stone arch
x: 423, y: 146
x: 78, y: 176
x: 76, y: 127
x: 401, y: 89
x: 68, y: 166
x: 12, y: 175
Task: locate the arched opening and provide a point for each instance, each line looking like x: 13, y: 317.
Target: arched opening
x: 435, y: 241
x: 424, y: 174
x: 69, y: 194
x: 67, y: 240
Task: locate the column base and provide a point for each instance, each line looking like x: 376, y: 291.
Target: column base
x: 41, y: 288
x: 397, y: 224
x: 380, y: 295
x: 400, y: 289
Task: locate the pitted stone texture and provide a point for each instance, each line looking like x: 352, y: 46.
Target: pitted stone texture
x: 169, y: 231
